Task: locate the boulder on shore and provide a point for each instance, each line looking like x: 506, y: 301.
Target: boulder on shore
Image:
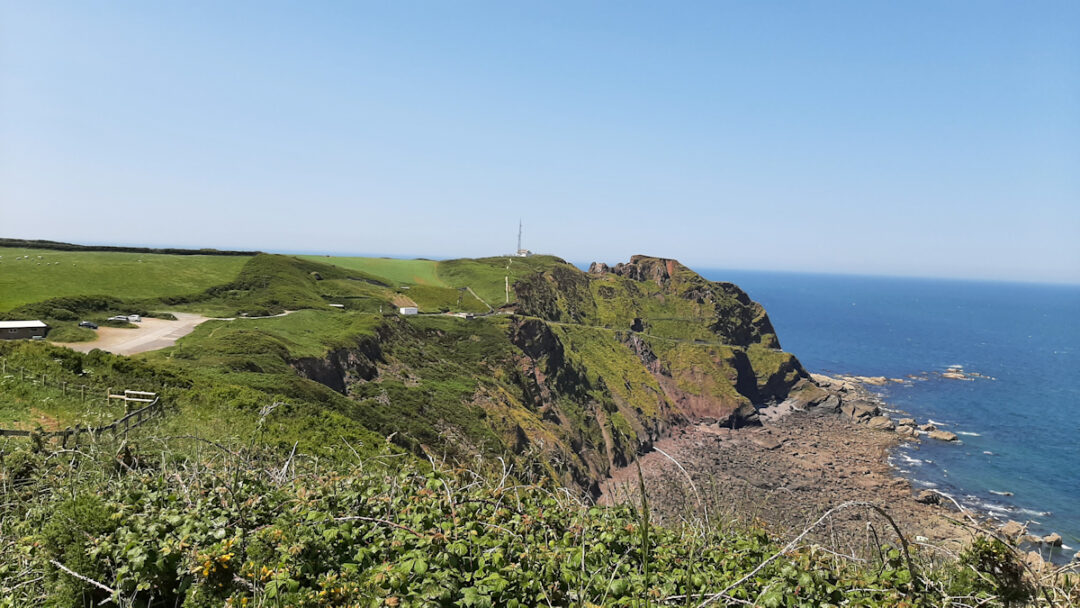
x: 928, y: 497
x: 1012, y: 530
x: 859, y: 409
x: 927, y: 427
x: 1034, y: 561
x: 906, y: 431
x: 1054, y: 539
x: 906, y: 422
x: 883, y: 423
x: 943, y: 436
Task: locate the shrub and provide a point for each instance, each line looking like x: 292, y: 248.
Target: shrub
x: 999, y: 570
x: 62, y: 314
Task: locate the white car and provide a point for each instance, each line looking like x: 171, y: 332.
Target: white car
x: 134, y: 318
x: 118, y: 318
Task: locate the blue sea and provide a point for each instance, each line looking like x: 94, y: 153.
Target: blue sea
x: 1020, y: 427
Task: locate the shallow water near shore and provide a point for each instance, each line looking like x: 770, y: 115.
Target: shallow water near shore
x: 1019, y: 426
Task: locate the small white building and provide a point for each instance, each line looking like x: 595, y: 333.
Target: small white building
x: 408, y: 310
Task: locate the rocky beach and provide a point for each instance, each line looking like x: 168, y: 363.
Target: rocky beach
x: 805, y: 457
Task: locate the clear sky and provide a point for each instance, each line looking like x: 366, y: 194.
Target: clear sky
x: 911, y: 138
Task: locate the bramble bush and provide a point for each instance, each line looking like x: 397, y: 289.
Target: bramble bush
x: 198, y: 525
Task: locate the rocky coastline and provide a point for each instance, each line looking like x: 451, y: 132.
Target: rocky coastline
x: 824, y: 447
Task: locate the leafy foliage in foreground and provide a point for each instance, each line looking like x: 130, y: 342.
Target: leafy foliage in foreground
x: 223, y: 526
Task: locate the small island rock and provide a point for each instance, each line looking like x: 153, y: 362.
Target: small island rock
x: 943, y: 435
x: 906, y: 421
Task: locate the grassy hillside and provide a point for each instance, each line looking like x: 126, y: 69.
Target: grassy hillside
x: 395, y: 271
x: 485, y: 276
x: 43, y: 274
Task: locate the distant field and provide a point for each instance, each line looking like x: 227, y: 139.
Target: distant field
x: 486, y: 276
x: 51, y: 274
x: 402, y: 272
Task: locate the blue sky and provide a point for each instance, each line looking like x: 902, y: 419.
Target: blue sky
x: 915, y: 138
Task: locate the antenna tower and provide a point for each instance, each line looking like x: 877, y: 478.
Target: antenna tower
x: 519, y: 235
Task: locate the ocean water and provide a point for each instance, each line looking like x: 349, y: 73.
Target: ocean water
x: 1020, y: 428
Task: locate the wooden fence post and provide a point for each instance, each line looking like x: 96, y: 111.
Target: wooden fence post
x: 82, y: 392
x: 63, y: 387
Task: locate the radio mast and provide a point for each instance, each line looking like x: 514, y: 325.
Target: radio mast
x: 521, y: 251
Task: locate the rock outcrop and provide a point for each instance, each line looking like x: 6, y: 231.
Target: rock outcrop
x: 943, y: 435
x: 1012, y: 530
x: 342, y: 366
x: 883, y: 423
x: 929, y: 497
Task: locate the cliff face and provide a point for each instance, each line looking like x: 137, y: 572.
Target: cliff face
x: 593, y: 369
x: 342, y: 367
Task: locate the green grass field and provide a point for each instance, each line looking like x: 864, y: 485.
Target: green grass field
x: 305, y: 333
x: 42, y: 274
x: 486, y: 276
x: 395, y: 271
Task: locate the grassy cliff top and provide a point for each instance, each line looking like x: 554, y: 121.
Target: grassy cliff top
x: 33, y: 275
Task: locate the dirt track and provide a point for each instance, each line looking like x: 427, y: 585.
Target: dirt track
x: 151, y: 334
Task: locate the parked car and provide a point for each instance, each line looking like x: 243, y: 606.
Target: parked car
x: 118, y: 318
x: 134, y: 318
x: 88, y: 324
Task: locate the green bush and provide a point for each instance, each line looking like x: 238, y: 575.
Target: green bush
x: 71, y: 333
x: 996, y: 569
x: 62, y: 314
x: 67, y: 537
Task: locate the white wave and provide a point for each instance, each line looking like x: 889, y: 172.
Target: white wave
x: 925, y: 484
x: 1036, y: 513
x: 936, y: 423
x: 911, y: 461
x: 968, y: 433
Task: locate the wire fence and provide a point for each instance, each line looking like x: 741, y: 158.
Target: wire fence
x: 149, y: 404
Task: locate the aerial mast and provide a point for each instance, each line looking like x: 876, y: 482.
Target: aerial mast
x: 521, y: 251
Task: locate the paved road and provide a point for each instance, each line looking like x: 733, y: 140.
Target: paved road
x: 151, y: 334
